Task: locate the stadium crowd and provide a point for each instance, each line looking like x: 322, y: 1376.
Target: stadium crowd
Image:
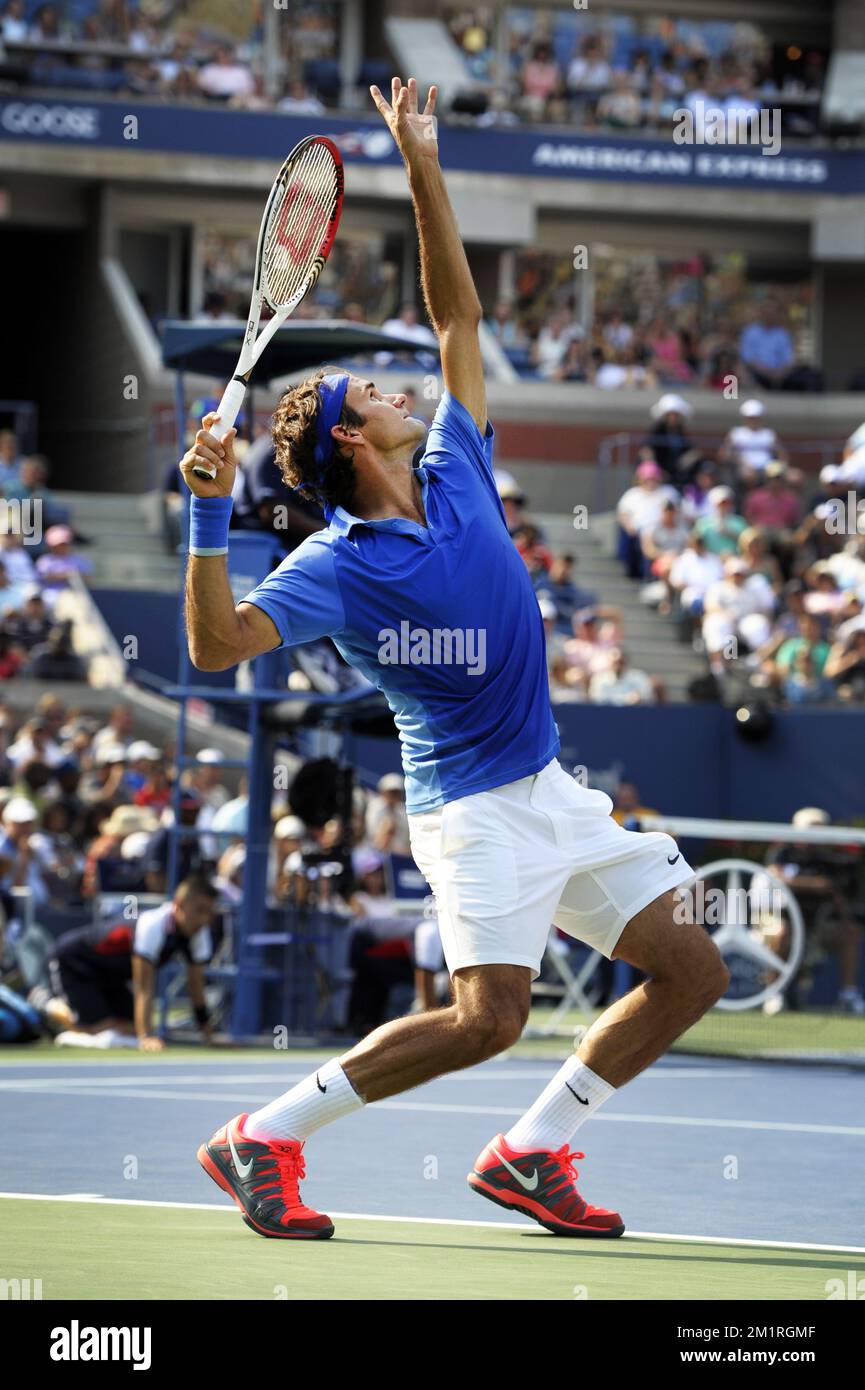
x: 86, y: 807
x: 615, y: 73
x: 763, y: 575
x: 38, y: 559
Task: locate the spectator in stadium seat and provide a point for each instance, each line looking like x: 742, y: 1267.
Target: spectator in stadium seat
x: 190, y: 855
x: 551, y: 344
x: 540, y: 79
x: 225, y: 76
x: 721, y: 527
x: 809, y: 638
x: 155, y: 791
x: 12, y: 658
x: 113, y: 830
x: 407, y: 325
x: 386, y: 822
x: 512, y: 497
x: 692, y: 573
x: 754, y: 549
x: 104, y: 783
x: 116, y: 730
x: 766, y: 348
x: 823, y: 879
x: 55, y: 659
x: 668, y: 437
x: 11, y: 595
x: 14, y: 22
x: 589, y: 72
x: 300, y: 101
x: 263, y: 503
x: 35, y: 740
x: 639, y: 508
x: 16, y: 559
x: 59, y: 563
x: 736, y: 609
x: 845, y: 664
x: 774, y: 505
x: 627, y: 804
x: 11, y: 458
x: 661, y: 544
x: 504, y: 326
x: 597, y: 634
x: 804, y: 684
x: 620, y: 107
x: 695, y: 494
x: 753, y: 445
x: 558, y: 584
x: 621, y: 684
x: 25, y: 865
x: 625, y: 369
x: 667, y: 357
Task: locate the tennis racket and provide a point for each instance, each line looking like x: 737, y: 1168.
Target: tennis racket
x: 297, y: 231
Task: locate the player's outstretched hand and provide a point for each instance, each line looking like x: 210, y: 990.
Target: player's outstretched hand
x: 415, y: 133
x: 214, y: 450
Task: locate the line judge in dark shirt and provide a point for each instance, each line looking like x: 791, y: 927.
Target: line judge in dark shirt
x: 262, y: 502
x: 109, y: 977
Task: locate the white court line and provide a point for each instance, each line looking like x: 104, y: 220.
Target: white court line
x: 95, y: 1200
x: 441, y: 1108
x: 252, y: 1078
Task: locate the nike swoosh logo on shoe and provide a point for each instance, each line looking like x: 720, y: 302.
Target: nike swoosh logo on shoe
x: 528, y: 1183
x: 576, y: 1097
x: 243, y: 1170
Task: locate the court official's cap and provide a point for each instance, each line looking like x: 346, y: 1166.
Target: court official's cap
x: 391, y: 782
x: 752, y: 409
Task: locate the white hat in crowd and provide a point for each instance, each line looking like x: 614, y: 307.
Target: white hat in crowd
x: 752, y: 409
x: 391, y: 782
x: 142, y: 751
x: 209, y: 755
x: 669, y: 403
x: 717, y: 495
x: 809, y: 816
x: 289, y: 828
x: 18, y: 811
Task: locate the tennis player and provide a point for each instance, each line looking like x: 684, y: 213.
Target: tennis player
x: 418, y: 583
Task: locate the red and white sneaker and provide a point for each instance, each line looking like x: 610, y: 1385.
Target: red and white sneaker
x: 262, y: 1177
x: 542, y: 1184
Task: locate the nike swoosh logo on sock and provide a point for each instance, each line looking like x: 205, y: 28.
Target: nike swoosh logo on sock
x: 528, y: 1183
x: 576, y: 1097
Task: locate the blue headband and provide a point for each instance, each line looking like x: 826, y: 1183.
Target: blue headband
x: 331, y: 392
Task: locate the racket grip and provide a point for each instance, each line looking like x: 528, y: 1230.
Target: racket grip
x: 228, y: 410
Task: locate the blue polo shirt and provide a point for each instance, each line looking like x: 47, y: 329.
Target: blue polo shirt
x: 442, y: 618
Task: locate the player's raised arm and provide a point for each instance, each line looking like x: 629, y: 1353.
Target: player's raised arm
x: 449, y: 290
x: 219, y: 633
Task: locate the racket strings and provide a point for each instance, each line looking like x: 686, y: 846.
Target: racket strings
x: 298, y: 224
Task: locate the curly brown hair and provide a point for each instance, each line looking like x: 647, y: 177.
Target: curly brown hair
x: 294, y: 437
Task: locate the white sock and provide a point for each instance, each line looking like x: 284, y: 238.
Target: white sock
x: 574, y: 1094
x: 324, y: 1095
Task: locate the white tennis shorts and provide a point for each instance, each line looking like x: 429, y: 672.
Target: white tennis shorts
x: 505, y: 864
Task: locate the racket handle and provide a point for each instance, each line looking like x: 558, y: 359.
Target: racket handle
x: 228, y: 411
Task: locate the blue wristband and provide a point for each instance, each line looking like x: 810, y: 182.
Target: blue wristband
x: 209, y: 519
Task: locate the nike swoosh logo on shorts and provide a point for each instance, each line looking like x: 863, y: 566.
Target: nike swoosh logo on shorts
x: 675, y: 859
x: 243, y: 1170
x: 576, y: 1097
x: 528, y: 1183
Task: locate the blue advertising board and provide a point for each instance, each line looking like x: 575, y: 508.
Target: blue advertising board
x: 134, y: 125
